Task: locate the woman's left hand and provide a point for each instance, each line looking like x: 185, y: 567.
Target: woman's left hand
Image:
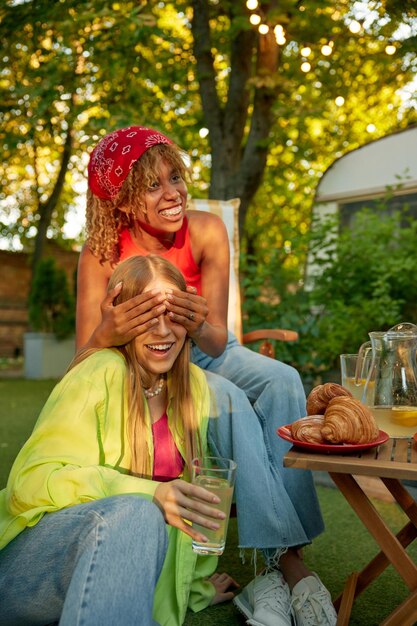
x: 188, y: 309
x: 222, y: 584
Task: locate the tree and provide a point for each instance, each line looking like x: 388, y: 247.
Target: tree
x: 75, y: 69
x: 247, y: 113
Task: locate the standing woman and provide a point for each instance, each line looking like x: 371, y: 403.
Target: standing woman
x: 136, y: 204
x: 83, y: 538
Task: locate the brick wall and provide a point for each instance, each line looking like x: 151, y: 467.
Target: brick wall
x: 14, y: 289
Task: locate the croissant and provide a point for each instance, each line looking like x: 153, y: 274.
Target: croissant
x: 308, y: 429
x: 319, y: 397
x: 347, y: 420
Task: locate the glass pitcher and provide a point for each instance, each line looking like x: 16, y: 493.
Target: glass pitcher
x: 390, y: 389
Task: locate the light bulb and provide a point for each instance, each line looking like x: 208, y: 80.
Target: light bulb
x: 339, y: 101
x: 326, y: 50
x: 305, y: 51
x: 203, y: 132
x: 252, y: 4
x: 390, y: 49
x: 305, y: 67
x: 354, y: 27
x: 263, y: 28
x: 255, y: 19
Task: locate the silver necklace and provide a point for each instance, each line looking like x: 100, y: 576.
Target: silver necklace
x: 151, y: 394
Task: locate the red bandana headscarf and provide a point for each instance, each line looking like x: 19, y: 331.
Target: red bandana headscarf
x: 114, y: 156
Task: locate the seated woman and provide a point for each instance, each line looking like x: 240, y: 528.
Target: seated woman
x: 136, y: 204
x: 83, y: 532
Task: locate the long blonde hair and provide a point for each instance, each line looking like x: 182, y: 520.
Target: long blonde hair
x: 105, y: 220
x: 136, y: 273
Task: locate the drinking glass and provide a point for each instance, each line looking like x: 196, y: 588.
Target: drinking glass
x: 354, y: 372
x: 216, y: 474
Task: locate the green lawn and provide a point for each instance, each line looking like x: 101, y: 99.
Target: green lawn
x: 344, y: 546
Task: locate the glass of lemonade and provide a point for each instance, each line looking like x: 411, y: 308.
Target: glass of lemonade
x: 353, y: 380
x: 217, y: 475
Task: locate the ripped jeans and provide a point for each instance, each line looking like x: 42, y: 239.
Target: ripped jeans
x: 252, y: 395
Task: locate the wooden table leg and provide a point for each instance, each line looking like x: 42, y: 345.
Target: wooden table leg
x: 347, y: 598
x: 383, y: 535
x: 405, y: 614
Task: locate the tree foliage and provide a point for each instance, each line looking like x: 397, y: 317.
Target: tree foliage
x: 73, y: 70
x: 364, y: 280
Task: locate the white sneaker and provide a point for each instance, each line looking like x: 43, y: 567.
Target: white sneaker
x: 312, y: 604
x: 266, y: 601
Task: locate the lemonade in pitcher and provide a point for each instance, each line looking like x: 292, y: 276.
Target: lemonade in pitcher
x: 396, y: 421
x: 391, y: 385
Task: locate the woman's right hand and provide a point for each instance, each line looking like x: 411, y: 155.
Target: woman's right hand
x: 119, y: 324
x: 183, y: 503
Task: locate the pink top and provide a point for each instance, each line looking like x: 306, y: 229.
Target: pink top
x: 179, y: 254
x: 168, y: 462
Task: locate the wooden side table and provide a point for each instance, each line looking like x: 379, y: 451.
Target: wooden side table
x: 392, y: 462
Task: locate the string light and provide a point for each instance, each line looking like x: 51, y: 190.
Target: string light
x: 255, y: 19
x: 327, y: 49
x: 355, y: 27
x: 280, y: 35
x: 339, y: 101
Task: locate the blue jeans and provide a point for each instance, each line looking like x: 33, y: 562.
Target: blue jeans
x: 252, y: 396
x: 90, y: 564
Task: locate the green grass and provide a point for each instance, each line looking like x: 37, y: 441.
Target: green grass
x: 343, y: 547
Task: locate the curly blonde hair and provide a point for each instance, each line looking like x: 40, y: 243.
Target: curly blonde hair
x: 105, y: 220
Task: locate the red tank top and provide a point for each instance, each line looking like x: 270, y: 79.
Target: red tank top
x: 180, y: 254
x: 168, y: 462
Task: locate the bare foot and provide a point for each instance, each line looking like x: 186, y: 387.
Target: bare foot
x: 223, y: 582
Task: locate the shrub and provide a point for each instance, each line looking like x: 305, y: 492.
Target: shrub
x: 51, y: 304
x: 365, y: 280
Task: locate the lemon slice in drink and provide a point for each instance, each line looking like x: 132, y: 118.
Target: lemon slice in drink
x: 404, y: 415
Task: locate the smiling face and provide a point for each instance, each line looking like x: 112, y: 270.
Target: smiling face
x: 165, y: 200
x: 157, y: 349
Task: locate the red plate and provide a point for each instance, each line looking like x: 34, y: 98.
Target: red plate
x: 285, y: 433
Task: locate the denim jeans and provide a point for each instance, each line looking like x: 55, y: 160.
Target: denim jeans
x: 253, y: 395
x: 90, y: 564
